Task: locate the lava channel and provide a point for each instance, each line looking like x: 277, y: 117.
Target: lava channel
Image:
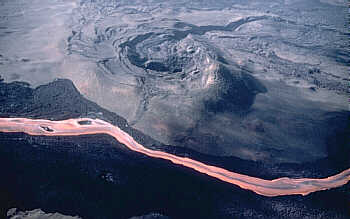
x: 85, y: 126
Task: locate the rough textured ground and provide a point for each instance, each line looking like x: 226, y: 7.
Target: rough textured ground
x: 13, y: 213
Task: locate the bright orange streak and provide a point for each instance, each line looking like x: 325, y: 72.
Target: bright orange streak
x: 276, y: 187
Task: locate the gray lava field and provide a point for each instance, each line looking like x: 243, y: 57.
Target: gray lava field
x: 258, y: 87
x: 228, y: 78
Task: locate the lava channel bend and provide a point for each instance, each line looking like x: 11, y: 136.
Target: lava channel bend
x: 85, y: 126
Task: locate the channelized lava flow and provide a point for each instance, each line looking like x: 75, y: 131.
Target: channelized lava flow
x: 84, y: 126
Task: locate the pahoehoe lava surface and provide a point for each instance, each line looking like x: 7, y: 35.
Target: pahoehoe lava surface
x: 189, y: 74
x: 257, y: 87
x: 261, y: 72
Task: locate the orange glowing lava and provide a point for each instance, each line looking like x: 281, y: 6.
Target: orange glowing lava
x: 84, y: 126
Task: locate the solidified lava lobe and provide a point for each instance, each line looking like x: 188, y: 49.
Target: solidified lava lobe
x: 277, y: 187
x: 84, y: 122
x: 46, y: 128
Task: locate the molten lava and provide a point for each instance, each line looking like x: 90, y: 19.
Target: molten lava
x: 84, y: 126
